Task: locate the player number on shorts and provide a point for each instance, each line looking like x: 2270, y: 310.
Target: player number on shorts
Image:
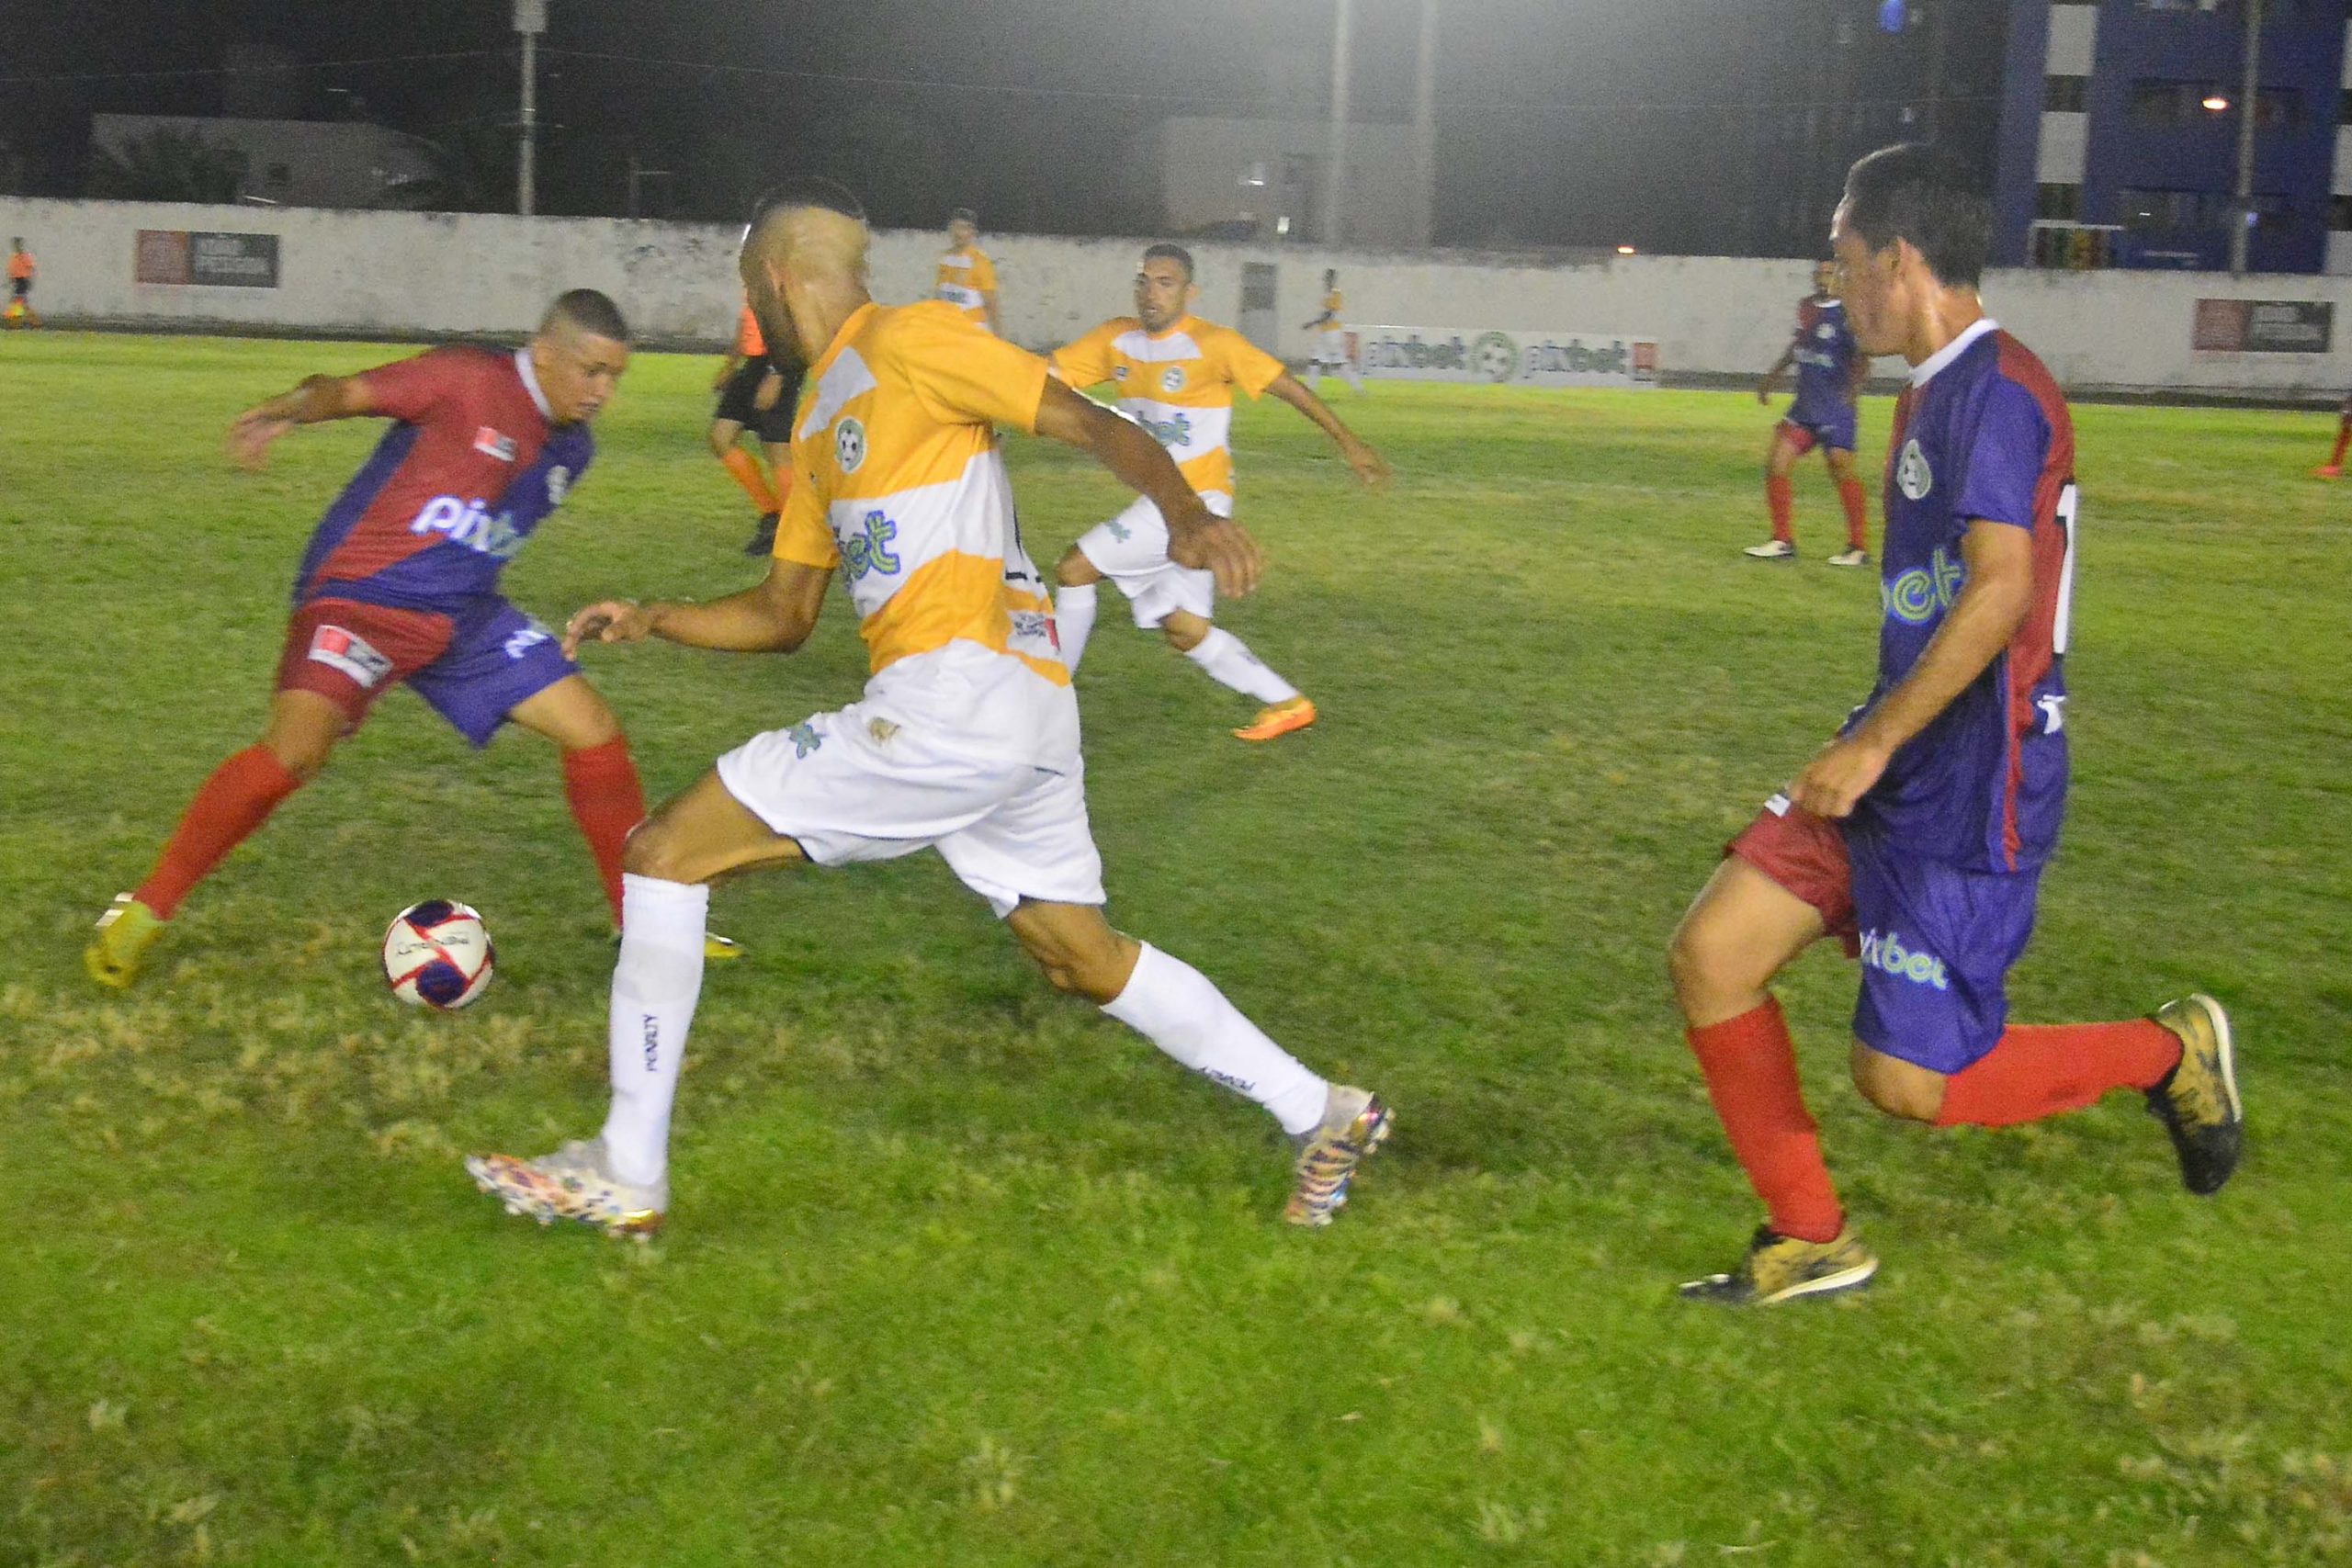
x: 2069, y: 500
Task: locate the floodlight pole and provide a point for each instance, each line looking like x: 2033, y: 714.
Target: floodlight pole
x: 1335, y: 160
x: 2249, y: 102
x: 530, y: 21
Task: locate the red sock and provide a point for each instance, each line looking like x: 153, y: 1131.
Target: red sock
x: 746, y: 470
x: 2040, y: 1070
x: 1858, y: 515
x: 235, y: 800
x: 1779, y: 498
x: 1751, y: 1068
x: 2343, y: 441
x: 600, y: 782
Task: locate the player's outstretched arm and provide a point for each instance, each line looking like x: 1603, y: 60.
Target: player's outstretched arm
x: 1992, y: 604
x: 1369, y: 465
x: 1196, y: 537
x: 775, y: 616
x: 318, y: 399
x: 1772, y: 377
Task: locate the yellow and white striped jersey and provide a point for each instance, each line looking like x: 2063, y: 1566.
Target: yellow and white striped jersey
x: 1178, y: 385
x: 964, y: 277
x: 1335, y: 305
x: 900, y: 486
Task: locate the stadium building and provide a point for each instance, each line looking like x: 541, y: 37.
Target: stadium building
x: 2120, y: 135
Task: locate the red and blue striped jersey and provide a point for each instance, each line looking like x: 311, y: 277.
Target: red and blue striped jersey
x: 1824, y: 349
x: 470, y: 466
x: 1981, y: 433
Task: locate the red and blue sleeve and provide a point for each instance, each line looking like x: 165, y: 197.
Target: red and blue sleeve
x: 408, y: 390
x: 2006, y: 453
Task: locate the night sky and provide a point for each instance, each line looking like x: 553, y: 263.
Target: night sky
x: 1702, y: 126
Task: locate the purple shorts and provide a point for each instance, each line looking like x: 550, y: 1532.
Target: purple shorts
x: 1832, y: 429
x: 473, y: 665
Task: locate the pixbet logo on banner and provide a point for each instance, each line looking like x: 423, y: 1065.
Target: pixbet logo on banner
x: 1492, y: 355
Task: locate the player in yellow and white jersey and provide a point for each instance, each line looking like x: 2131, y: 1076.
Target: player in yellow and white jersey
x: 966, y: 740
x: 1330, y: 330
x: 967, y: 276
x: 1176, y: 375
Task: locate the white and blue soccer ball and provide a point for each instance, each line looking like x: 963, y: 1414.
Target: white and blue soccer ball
x: 438, y: 955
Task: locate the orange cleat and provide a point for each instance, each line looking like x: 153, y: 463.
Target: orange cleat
x: 1278, y: 720
x: 2328, y: 471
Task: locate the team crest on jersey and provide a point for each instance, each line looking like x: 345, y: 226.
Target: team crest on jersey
x: 1173, y: 378
x: 494, y: 444
x: 1825, y: 331
x: 849, y: 446
x: 1912, y: 476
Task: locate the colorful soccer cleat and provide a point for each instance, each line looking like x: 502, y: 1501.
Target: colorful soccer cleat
x: 1782, y: 1267
x: 1354, y: 1125
x: 2197, y: 1100
x: 573, y: 1183
x: 1772, y: 549
x: 125, y: 932
x: 1296, y: 713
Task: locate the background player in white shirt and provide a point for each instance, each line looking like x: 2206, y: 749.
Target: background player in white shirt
x: 1330, y: 330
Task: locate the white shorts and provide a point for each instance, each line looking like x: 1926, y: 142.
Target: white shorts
x: 1131, y: 549
x: 852, y: 787
x: 1332, y: 349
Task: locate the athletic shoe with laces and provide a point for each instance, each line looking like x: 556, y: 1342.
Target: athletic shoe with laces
x: 763, y: 539
x: 573, y: 1183
x: 1772, y: 549
x: 1782, y: 1267
x: 1850, y: 558
x: 1296, y: 713
x: 124, y: 933
x: 716, y: 949
x: 1354, y: 1123
x: 2197, y: 1100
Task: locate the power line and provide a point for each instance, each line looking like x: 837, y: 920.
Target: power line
x: 185, y: 73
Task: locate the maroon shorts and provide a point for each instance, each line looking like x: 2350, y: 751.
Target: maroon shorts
x: 352, y: 653
x: 1806, y: 854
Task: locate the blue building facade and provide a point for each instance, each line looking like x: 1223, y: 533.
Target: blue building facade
x: 2119, y: 135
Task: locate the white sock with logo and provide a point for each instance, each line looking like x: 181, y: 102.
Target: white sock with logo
x: 1174, y: 1005
x: 655, y: 986
x: 1228, y: 660
x: 1074, y: 620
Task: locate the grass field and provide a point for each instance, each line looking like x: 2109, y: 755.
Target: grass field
x: 962, y: 1273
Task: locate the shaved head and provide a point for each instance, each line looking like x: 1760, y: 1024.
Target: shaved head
x: 806, y: 243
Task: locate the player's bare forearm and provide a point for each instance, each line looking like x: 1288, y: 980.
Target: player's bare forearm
x: 1772, y: 377
x: 1196, y: 537
x: 1992, y: 604
x: 1369, y: 465
x: 315, y: 400
x: 773, y: 616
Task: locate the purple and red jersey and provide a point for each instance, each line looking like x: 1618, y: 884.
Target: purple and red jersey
x: 470, y: 466
x: 1981, y: 433
x: 1824, y: 349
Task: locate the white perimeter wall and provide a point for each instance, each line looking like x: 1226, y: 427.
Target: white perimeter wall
x: 399, y: 273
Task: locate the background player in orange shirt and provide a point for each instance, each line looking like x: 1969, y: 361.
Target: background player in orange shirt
x: 967, y: 276
x: 754, y: 391
x: 20, y: 313
x: 1176, y: 374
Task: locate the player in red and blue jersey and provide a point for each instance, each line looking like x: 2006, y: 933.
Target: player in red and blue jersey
x: 1918, y: 835
x: 2333, y: 467
x: 400, y: 586
x: 1831, y: 368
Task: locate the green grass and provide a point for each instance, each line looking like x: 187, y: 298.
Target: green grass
x: 962, y: 1273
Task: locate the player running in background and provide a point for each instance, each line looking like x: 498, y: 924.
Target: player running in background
x: 1919, y: 834
x: 1830, y: 373
x: 399, y: 583
x: 1330, y: 330
x: 966, y: 739
x: 2333, y: 467
x: 1175, y: 376
x: 757, y: 393
x: 20, y: 311
x: 967, y: 276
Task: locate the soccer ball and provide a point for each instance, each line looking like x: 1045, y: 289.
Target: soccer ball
x: 438, y: 955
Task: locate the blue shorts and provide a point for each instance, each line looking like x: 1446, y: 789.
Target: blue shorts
x: 1832, y: 429
x: 473, y: 664
x: 1936, y: 942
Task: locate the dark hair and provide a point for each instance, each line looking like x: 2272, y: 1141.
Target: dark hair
x: 965, y: 215
x: 808, y: 190
x: 1166, y: 252
x: 1915, y: 192
x: 590, y: 311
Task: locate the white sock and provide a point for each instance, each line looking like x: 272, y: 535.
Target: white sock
x: 1228, y: 660
x: 1314, y: 374
x: 655, y: 986
x: 1355, y: 377
x: 1173, y: 1005
x: 1074, y: 620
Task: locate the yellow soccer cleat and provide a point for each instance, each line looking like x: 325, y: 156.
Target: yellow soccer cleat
x: 1785, y: 1268
x: 1278, y: 720
x: 717, y: 949
x: 125, y: 932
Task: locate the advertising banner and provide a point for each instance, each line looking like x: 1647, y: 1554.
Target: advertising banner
x: 2263, y: 326
x: 1508, y: 358
x: 215, y: 260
